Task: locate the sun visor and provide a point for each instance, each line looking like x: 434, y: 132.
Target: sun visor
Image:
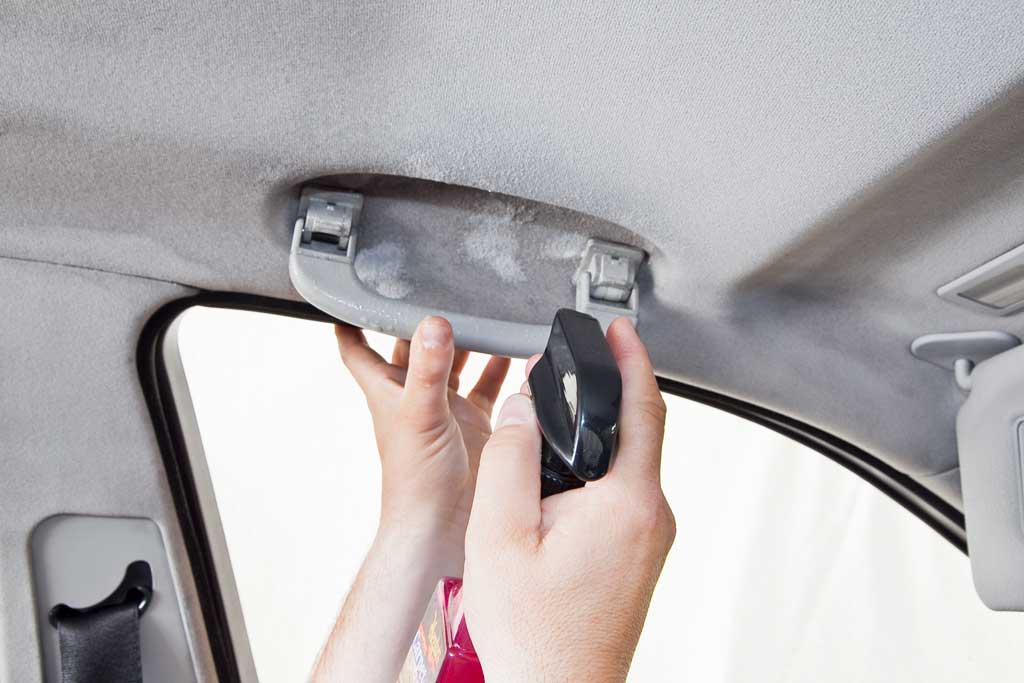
x: 990, y: 438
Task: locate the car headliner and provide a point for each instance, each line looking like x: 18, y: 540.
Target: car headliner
x: 804, y: 178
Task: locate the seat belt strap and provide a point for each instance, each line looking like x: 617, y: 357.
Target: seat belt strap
x: 101, y: 643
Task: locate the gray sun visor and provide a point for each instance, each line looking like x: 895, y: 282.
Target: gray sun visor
x: 990, y: 439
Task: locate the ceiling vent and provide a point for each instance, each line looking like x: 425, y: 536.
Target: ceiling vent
x: 996, y: 287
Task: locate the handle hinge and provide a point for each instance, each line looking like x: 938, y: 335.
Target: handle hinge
x: 605, y: 281
x: 327, y: 220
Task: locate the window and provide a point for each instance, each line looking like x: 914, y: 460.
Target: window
x: 786, y: 566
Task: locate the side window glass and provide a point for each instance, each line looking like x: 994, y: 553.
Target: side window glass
x: 785, y: 566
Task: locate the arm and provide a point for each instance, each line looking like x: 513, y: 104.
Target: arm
x: 558, y: 589
x: 377, y: 622
x: 429, y: 439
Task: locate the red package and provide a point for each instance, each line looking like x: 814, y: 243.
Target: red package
x: 442, y: 652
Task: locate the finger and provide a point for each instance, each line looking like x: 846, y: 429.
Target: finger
x: 400, y: 356
x: 530, y: 362
x: 364, y: 363
x: 507, y: 499
x: 461, y: 356
x: 642, y: 415
x: 424, y: 402
x: 485, y: 393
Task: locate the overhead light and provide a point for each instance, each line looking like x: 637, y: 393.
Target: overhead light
x: 996, y: 287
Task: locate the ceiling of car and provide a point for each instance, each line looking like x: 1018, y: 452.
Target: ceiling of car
x: 804, y: 178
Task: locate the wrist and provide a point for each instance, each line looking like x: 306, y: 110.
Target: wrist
x: 423, y: 544
x: 437, y: 517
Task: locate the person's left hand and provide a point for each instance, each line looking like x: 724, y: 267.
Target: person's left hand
x: 429, y: 437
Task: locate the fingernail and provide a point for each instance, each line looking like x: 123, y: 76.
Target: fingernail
x: 518, y: 410
x: 434, y: 334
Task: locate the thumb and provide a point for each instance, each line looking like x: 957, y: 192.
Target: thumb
x: 507, y: 500
x: 424, y: 403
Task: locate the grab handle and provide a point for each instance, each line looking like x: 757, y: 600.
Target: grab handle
x: 321, y: 267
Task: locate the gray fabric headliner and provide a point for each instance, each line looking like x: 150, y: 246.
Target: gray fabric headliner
x: 804, y: 176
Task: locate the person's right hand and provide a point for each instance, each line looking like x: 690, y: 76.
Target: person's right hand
x: 558, y: 589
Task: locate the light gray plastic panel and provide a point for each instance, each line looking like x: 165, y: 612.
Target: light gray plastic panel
x: 995, y: 287
x: 80, y: 559
x: 989, y: 437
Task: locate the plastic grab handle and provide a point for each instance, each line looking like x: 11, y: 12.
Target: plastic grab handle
x: 330, y: 283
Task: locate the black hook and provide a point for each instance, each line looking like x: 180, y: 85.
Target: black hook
x: 136, y: 587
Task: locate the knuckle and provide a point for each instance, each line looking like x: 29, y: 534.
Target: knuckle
x: 509, y: 438
x: 653, y: 407
x: 429, y: 426
x: 638, y: 364
x: 668, y: 527
x: 427, y: 374
x: 653, y: 521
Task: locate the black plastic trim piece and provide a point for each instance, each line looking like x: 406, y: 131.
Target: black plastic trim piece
x: 918, y: 500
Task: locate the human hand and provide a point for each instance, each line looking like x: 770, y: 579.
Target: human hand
x: 558, y: 589
x: 428, y: 436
